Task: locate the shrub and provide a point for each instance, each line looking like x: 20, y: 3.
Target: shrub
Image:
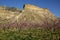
x: 29, y: 34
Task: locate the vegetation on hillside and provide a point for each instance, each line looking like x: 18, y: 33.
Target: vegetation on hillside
x: 29, y: 34
x: 32, y: 23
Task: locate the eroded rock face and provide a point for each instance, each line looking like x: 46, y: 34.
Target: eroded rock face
x: 31, y: 17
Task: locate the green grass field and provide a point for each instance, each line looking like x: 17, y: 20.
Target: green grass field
x: 29, y: 34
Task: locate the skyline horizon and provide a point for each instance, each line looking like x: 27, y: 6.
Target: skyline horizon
x: 52, y: 5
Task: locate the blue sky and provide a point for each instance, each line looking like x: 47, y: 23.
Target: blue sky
x: 52, y: 5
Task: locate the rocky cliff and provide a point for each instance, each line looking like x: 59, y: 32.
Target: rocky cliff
x: 30, y: 17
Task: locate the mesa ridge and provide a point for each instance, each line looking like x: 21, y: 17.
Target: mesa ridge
x: 30, y: 17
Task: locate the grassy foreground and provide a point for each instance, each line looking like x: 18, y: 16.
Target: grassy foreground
x: 29, y: 34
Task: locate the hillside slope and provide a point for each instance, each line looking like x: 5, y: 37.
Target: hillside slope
x: 30, y: 16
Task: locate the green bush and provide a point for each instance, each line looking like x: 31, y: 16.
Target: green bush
x: 29, y: 34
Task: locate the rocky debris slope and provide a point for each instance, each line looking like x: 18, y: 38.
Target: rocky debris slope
x: 31, y: 17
